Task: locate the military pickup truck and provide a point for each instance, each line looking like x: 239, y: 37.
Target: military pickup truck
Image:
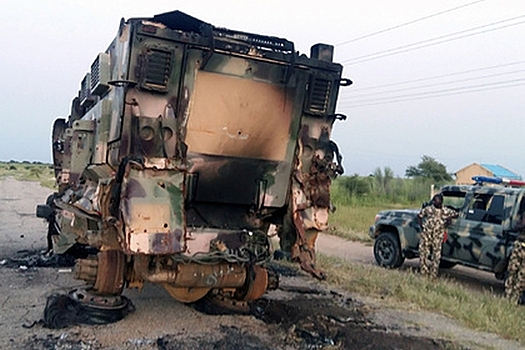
x: 481, y: 237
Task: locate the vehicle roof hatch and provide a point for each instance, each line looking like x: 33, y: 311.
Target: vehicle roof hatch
x: 178, y: 20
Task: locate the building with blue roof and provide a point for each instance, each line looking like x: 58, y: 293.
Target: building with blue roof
x: 464, y: 175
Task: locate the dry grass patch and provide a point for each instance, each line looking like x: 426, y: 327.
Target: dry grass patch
x: 42, y: 173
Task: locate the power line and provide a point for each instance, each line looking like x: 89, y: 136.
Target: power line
x: 439, y: 93
x: 445, y: 90
x: 435, y: 96
x: 407, y: 23
x: 409, y: 47
x: 372, y: 103
x: 439, y: 84
x: 388, y: 52
x: 433, y: 77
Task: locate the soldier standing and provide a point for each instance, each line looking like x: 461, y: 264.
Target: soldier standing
x: 515, y: 282
x: 433, y: 219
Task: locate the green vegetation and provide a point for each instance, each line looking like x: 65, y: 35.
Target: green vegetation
x: 429, y: 168
x: 27, y: 171
x: 357, y: 199
x: 476, y: 310
x: 352, y: 222
x: 377, y: 189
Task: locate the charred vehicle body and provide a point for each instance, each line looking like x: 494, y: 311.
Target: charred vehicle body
x: 185, y: 143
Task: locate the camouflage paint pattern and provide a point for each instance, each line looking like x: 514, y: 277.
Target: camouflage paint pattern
x: 188, y: 140
x: 431, y: 239
x: 472, y: 241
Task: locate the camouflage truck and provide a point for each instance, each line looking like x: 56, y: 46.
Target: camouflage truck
x: 184, y: 145
x: 481, y: 237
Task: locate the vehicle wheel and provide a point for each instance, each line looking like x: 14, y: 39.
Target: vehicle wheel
x: 81, y: 306
x: 443, y: 264
x: 387, y: 250
x: 501, y: 276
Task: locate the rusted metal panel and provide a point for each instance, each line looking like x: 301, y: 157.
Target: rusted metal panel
x: 153, y: 211
x: 238, y: 118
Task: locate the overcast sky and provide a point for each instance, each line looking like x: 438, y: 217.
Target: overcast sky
x: 450, y: 85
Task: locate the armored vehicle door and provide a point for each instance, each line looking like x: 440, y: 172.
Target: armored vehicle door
x: 517, y: 214
x: 479, y: 236
x: 453, y: 198
x: 241, y: 126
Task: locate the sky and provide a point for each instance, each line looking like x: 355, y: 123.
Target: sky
x: 439, y: 78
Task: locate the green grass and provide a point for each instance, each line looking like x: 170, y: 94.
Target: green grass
x: 481, y: 311
x: 42, y: 173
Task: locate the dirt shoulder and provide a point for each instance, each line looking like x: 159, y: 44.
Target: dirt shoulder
x: 421, y: 323
x: 301, y: 314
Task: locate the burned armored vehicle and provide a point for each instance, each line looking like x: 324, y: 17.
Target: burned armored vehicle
x: 185, y: 144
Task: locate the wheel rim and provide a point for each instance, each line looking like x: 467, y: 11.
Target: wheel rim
x: 385, y: 250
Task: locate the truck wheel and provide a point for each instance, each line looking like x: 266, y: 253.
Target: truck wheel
x: 387, y: 250
x: 81, y: 306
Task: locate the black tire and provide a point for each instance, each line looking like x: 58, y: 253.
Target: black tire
x: 63, y: 310
x: 443, y: 264
x: 387, y: 250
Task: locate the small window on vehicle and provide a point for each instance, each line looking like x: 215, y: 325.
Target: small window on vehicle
x: 520, y: 214
x: 521, y: 210
x: 453, y: 199
x: 486, y: 208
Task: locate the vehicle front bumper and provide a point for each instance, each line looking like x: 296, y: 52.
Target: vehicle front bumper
x: 372, y: 232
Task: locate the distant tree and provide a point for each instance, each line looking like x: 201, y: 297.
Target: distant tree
x: 355, y: 185
x: 383, y: 178
x: 429, y: 168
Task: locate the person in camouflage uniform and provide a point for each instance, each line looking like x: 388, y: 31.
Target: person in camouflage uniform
x: 433, y: 219
x: 515, y: 282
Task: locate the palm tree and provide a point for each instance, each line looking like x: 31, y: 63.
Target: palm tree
x: 383, y: 179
